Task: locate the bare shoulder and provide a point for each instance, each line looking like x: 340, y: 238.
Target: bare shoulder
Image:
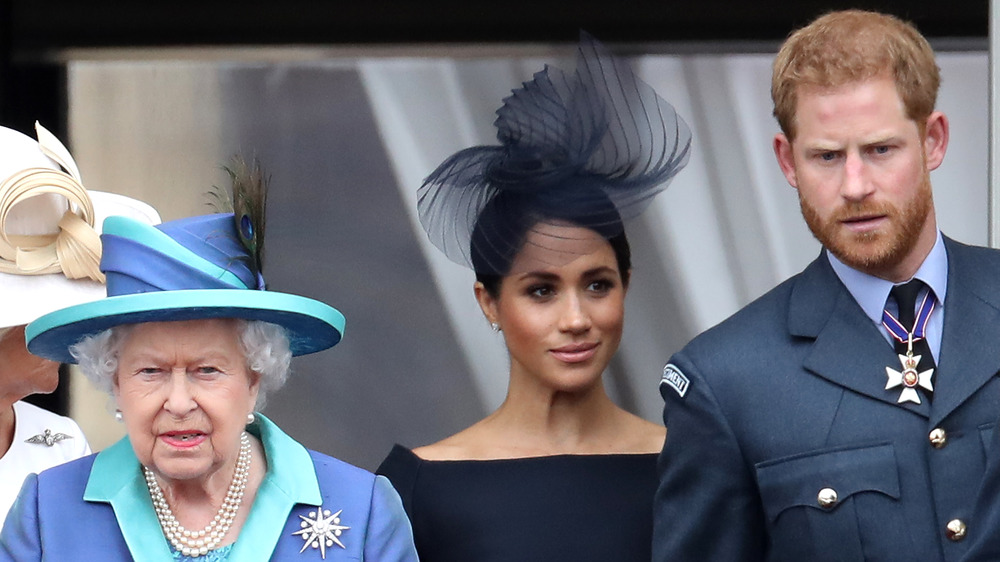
x: 647, y: 437
x: 461, y: 446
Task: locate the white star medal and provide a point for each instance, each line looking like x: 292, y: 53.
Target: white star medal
x: 909, y: 378
x: 321, y: 529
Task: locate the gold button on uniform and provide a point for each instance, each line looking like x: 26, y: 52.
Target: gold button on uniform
x: 827, y: 498
x: 938, y: 438
x: 955, y: 530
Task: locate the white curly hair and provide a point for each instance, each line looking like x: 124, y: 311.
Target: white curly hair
x: 265, y: 347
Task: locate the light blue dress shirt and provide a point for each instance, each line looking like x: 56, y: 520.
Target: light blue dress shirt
x: 871, y: 293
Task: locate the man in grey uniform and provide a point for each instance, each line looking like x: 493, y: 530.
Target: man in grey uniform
x: 845, y: 414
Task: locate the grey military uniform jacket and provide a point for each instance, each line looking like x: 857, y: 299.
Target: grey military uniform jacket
x: 784, y: 445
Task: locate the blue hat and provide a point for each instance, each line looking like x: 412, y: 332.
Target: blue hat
x: 188, y: 269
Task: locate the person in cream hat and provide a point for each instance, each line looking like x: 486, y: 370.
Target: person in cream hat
x: 49, y: 255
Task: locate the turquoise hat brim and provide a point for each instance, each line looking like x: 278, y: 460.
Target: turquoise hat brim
x: 312, y: 325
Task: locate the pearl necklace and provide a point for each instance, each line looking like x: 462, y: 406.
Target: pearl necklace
x: 198, y: 543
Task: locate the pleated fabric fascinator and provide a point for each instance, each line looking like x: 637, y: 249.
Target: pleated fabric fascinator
x: 189, y: 269
x: 590, y: 148
x: 50, y: 246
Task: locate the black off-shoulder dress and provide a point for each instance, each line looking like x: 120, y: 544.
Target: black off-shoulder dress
x: 565, y: 507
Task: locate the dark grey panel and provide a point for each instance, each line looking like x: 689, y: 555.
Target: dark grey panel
x: 38, y: 27
x: 338, y: 231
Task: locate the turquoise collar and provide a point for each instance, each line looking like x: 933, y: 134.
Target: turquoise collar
x: 116, y: 478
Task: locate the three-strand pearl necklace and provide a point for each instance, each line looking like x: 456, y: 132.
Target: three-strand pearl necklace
x: 198, y: 543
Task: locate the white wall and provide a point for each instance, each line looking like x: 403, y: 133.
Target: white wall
x: 726, y: 230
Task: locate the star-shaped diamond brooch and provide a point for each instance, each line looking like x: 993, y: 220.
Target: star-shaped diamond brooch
x: 909, y: 379
x: 321, y: 529
x: 47, y: 438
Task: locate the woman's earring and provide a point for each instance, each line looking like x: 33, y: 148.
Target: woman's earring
x: 251, y: 418
x: 118, y: 416
x: 495, y: 326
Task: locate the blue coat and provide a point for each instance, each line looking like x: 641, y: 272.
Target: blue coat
x: 98, y: 508
x: 787, y: 398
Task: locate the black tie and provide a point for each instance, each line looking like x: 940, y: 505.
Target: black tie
x: 906, y: 299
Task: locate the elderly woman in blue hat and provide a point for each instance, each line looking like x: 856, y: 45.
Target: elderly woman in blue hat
x: 49, y: 259
x: 189, y: 344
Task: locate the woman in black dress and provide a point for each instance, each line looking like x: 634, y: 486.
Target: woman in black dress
x: 558, y: 471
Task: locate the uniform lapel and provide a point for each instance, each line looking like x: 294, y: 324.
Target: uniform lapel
x: 969, y: 357
x: 848, y: 349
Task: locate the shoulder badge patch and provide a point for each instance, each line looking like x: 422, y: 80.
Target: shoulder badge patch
x: 675, y: 379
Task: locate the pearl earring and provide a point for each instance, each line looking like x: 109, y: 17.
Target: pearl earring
x: 118, y: 416
x: 251, y: 418
x: 495, y: 326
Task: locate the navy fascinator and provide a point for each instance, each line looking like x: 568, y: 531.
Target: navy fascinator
x: 591, y: 148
